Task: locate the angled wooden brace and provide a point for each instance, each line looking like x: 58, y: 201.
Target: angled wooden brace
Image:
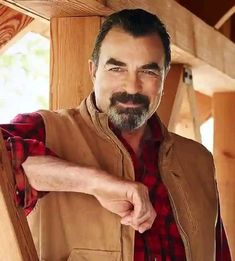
x: 178, y: 107
x: 15, y: 236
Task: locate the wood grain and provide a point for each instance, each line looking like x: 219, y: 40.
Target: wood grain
x: 56, y: 8
x: 204, y: 105
x: 178, y: 109
x: 224, y: 154
x: 16, y: 240
x: 72, y: 40
x: 12, y: 25
x: 169, y: 106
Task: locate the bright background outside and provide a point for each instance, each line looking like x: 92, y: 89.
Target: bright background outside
x: 24, y: 77
x: 24, y: 81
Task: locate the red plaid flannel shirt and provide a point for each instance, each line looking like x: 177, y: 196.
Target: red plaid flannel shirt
x: 25, y: 136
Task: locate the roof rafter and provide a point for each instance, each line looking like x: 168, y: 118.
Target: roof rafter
x: 13, y: 25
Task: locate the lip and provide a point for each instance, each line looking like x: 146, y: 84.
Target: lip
x: 129, y: 105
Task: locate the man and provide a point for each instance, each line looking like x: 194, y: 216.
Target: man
x: 121, y: 186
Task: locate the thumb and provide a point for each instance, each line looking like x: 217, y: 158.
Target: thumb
x: 127, y: 219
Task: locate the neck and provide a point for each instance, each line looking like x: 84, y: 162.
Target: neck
x: 135, y: 137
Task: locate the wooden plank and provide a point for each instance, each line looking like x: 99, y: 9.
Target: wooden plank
x: 225, y: 17
x: 204, y: 11
x: 13, y: 25
x: 72, y: 40
x: 178, y: 109
x: 172, y: 98
x: 15, y: 236
x: 50, y: 8
x: 224, y: 154
x: 204, y: 105
x: 40, y: 27
x: 211, y: 56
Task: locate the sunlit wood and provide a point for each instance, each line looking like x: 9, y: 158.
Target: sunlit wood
x: 224, y: 153
x: 72, y: 41
x: 15, y: 236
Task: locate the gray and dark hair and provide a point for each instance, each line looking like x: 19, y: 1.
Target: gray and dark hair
x: 136, y: 22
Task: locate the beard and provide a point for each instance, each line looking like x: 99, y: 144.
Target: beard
x: 128, y: 119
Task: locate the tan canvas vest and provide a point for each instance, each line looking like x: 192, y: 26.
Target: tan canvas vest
x: 73, y: 226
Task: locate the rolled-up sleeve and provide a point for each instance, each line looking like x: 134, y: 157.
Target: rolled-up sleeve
x: 25, y: 136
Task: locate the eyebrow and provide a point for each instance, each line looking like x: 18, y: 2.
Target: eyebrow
x: 113, y: 61
x: 150, y: 66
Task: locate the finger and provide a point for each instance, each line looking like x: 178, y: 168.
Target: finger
x: 147, y: 220
x: 127, y: 219
x: 140, y: 203
x: 144, y: 226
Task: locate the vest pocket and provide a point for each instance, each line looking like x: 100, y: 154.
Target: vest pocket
x: 93, y: 255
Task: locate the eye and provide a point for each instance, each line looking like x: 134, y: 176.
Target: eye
x: 116, y: 69
x: 150, y: 72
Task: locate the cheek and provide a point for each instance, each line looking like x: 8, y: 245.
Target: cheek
x: 104, y: 86
x: 153, y: 89
x: 110, y: 83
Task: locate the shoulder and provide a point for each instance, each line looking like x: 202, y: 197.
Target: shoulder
x: 30, y: 118
x: 191, y: 150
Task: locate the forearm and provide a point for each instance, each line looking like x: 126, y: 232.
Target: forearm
x: 48, y: 173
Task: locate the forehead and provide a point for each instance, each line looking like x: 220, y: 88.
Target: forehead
x: 125, y: 47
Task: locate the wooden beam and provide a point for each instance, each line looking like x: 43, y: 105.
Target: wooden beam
x: 46, y: 9
x: 178, y: 109
x: 204, y: 11
x: 72, y: 40
x: 172, y: 98
x: 211, y: 56
x: 15, y: 236
x: 224, y: 154
x: 225, y: 17
x: 204, y: 105
x: 13, y: 25
x: 40, y: 27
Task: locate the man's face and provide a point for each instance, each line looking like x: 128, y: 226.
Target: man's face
x: 128, y: 80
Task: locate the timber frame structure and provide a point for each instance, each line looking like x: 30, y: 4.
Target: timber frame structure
x: 203, y: 49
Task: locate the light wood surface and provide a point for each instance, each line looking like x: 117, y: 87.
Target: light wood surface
x: 204, y: 105
x: 224, y: 154
x: 178, y: 109
x: 15, y: 236
x: 13, y: 25
x: 171, y: 99
x: 72, y: 40
x: 50, y: 8
x: 225, y: 17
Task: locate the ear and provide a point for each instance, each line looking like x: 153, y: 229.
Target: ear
x: 92, y: 69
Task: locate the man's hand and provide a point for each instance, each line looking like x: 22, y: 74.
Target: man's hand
x: 130, y: 200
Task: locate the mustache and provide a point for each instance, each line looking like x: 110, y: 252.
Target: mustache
x: 125, y: 97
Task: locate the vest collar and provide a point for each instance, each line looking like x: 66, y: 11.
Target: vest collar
x: 99, y: 121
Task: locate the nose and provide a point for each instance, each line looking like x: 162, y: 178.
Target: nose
x: 132, y: 83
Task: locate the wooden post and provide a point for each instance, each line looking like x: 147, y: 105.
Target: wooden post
x: 178, y: 107
x: 15, y: 236
x: 224, y: 154
x: 72, y: 41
